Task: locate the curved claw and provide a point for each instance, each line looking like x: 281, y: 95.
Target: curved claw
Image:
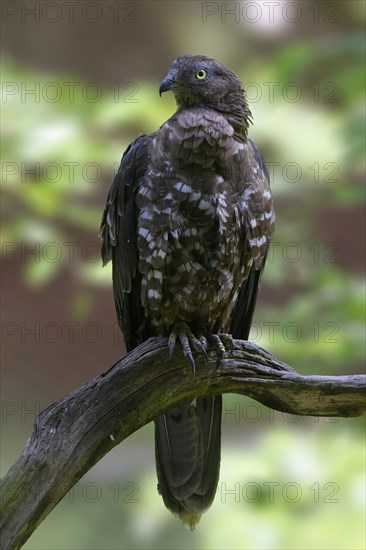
x: 202, y: 348
x: 188, y: 341
x: 189, y: 356
x: 219, y: 346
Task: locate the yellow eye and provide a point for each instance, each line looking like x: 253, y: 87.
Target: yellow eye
x: 201, y: 74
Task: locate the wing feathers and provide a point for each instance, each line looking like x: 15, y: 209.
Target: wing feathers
x: 119, y: 240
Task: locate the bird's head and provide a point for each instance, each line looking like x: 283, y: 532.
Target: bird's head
x: 198, y: 81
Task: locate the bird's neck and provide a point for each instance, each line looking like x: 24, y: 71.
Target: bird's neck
x: 233, y: 106
x: 236, y: 111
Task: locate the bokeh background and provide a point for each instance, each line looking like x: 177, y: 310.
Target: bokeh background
x: 79, y: 82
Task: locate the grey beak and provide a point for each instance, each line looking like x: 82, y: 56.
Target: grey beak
x: 166, y: 85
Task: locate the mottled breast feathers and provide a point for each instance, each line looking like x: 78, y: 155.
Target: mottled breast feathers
x: 200, y: 204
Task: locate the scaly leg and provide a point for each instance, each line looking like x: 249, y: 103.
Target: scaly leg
x: 221, y: 343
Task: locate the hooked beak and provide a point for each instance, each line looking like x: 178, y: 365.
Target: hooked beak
x: 167, y: 84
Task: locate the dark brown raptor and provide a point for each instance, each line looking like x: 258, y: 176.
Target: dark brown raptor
x: 187, y: 226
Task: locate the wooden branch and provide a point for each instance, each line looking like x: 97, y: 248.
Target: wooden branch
x: 71, y: 435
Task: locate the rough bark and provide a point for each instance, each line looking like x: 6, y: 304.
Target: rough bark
x: 71, y: 435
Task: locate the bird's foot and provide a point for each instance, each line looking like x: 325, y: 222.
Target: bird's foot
x: 227, y: 341
x: 221, y: 343
x: 188, y: 341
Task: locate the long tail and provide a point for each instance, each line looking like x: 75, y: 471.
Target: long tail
x: 187, y: 449
x: 188, y: 439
